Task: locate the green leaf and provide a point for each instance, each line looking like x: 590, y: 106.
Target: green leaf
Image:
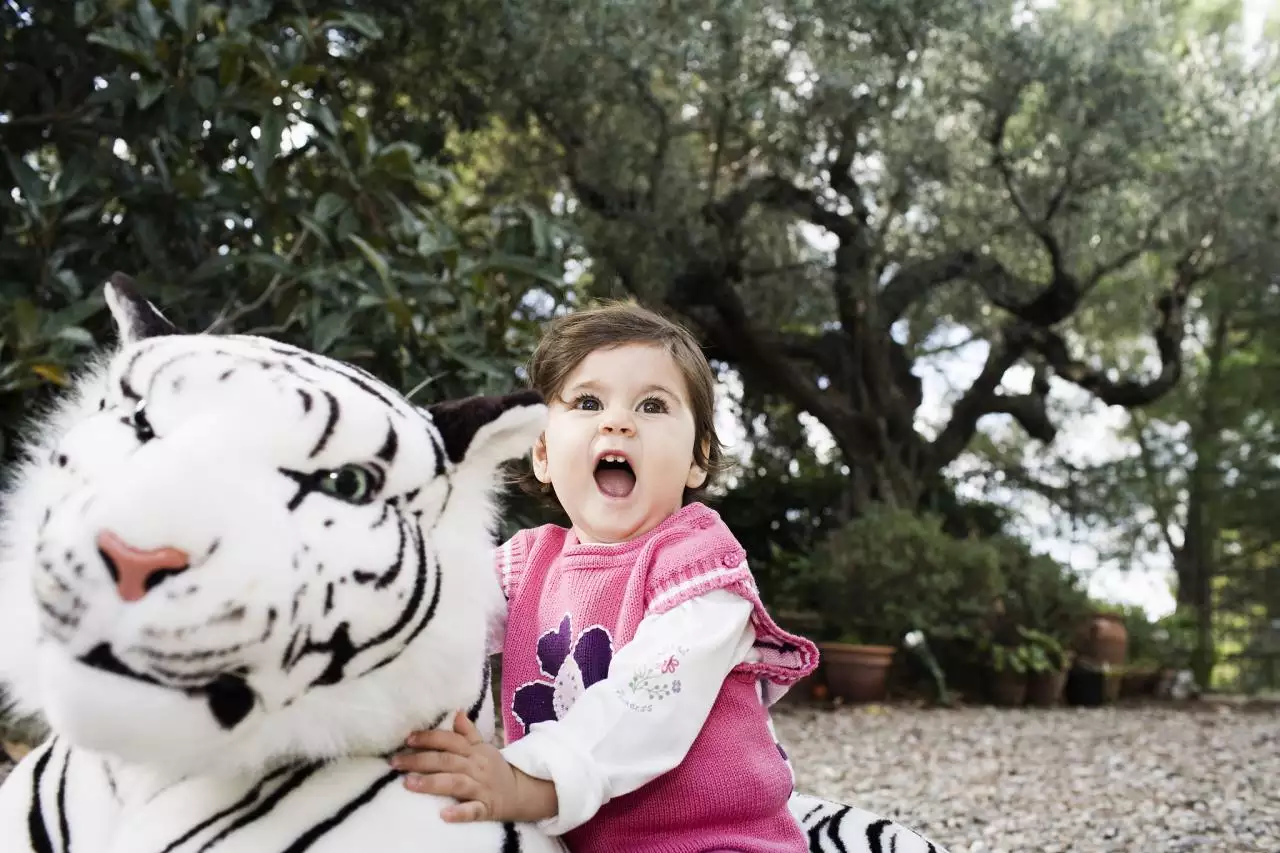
x: 315, y: 229
x: 207, y: 54
x: 328, y: 206
x: 512, y: 264
x: 75, y: 174
x: 205, y: 92
x: 397, y: 159
x: 348, y: 224
x: 374, y: 257
x: 149, y: 19
x: 231, y: 66
x: 149, y: 91
x: 27, y: 179
x: 26, y: 320
x: 77, y: 335
x: 86, y: 11
x: 328, y: 331
x: 364, y: 24
x: 244, y: 15
x: 319, y: 113
x: 186, y: 14
x: 149, y: 241
x: 264, y: 156
x: 124, y: 43
x: 70, y: 282
x: 83, y: 213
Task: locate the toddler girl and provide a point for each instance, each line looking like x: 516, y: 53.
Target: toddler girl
x: 638, y: 661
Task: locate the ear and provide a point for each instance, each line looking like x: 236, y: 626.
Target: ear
x: 697, y: 474
x: 539, y: 459
x: 135, y: 317
x: 489, y: 430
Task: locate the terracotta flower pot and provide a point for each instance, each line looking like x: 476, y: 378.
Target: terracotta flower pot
x: 856, y: 673
x: 1044, y: 689
x: 1008, y: 688
x: 1108, y: 639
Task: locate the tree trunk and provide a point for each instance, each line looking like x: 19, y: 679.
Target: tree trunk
x: 1196, y: 561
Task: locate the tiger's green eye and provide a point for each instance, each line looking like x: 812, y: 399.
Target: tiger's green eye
x: 355, y: 484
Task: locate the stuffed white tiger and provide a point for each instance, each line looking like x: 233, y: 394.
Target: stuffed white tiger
x: 233, y: 576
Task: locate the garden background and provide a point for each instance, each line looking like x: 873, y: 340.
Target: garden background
x: 991, y: 287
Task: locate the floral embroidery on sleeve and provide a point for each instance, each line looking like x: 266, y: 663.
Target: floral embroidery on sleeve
x: 653, y: 682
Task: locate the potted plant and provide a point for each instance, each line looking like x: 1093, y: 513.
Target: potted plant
x: 1008, y: 667
x: 1048, y: 662
x: 884, y: 575
x: 856, y: 671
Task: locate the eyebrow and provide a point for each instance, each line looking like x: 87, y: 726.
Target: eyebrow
x: 593, y: 385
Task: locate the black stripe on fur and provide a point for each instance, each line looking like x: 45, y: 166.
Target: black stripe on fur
x: 318, y: 830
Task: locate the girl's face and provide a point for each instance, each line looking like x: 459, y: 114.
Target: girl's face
x: 618, y: 447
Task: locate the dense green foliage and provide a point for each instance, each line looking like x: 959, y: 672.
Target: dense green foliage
x: 243, y: 161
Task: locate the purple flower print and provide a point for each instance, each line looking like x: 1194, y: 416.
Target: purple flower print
x: 568, y: 667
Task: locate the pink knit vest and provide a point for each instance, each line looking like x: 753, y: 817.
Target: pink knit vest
x: 568, y: 599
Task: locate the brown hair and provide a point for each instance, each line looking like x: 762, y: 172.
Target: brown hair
x: 569, y: 339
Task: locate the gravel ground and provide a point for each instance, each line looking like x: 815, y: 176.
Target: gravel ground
x: 983, y: 780
x: 1157, y: 779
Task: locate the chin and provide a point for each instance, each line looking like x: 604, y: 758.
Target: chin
x: 617, y: 523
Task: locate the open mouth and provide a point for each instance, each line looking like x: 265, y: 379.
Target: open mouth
x: 614, y: 476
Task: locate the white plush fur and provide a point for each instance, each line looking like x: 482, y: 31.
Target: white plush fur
x: 136, y: 766
x: 213, y: 476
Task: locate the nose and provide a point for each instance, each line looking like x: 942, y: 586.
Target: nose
x: 136, y: 571
x: 617, y: 421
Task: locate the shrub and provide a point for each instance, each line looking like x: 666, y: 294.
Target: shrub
x: 892, y: 571
x: 1040, y: 594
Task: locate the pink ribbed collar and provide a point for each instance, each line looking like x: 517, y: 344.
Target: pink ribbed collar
x: 609, y: 555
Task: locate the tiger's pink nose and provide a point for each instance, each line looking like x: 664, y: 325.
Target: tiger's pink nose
x: 136, y: 571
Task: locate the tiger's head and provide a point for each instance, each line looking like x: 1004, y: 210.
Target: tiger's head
x: 223, y: 551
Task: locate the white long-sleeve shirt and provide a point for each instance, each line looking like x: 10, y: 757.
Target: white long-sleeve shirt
x: 616, y: 737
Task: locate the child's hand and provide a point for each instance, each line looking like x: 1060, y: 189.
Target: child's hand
x: 461, y: 765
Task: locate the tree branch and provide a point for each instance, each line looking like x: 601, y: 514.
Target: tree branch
x: 1064, y: 290
x: 779, y: 193
x: 705, y: 296
x: 1145, y: 243
x: 1168, y: 333
x: 981, y: 399
x: 916, y: 280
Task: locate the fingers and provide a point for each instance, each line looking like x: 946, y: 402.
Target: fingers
x: 430, y: 762
x: 462, y: 725
x: 444, y: 741
x: 465, y: 812
x: 454, y: 785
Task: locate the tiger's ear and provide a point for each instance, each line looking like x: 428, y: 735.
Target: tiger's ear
x: 135, y: 317
x: 489, y: 430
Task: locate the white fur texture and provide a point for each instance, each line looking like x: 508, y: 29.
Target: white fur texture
x: 276, y: 582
